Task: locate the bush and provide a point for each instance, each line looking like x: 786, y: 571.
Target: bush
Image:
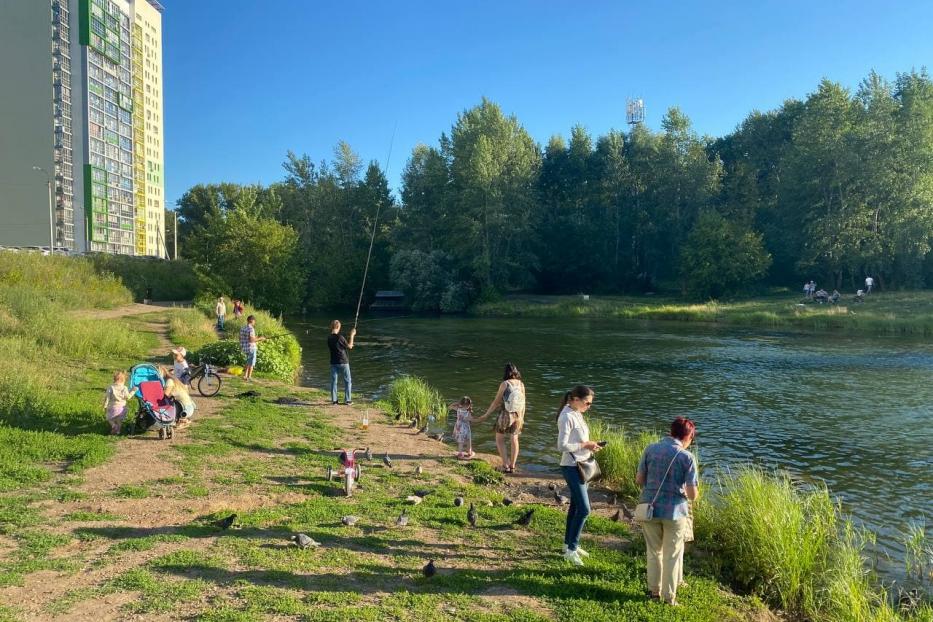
x: 422, y: 276
x: 413, y: 398
x: 169, y: 280
x: 457, y: 297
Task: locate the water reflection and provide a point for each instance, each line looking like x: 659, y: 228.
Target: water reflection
x: 848, y: 410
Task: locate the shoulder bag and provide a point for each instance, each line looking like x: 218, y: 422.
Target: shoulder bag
x: 588, y: 469
x: 644, y: 512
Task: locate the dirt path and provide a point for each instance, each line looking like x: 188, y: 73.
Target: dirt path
x: 133, y: 309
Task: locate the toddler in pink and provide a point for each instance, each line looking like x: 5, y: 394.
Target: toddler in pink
x: 115, y: 401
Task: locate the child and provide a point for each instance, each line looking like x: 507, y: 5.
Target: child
x: 177, y: 391
x: 181, y: 365
x: 115, y: 401
x: 462, y: 431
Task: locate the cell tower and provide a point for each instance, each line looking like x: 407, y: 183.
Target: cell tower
x: 635, y: 111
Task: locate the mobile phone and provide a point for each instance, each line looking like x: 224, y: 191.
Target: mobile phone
x: 602, y: 443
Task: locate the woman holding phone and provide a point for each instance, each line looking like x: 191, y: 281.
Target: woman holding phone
x: 573, y: 441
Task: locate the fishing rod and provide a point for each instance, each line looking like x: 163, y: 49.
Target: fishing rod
x: 372, y: 239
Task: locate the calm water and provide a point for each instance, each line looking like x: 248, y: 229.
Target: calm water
x: 852, y: 411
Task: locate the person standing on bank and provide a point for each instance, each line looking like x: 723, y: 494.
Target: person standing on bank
x: 667, y: 473
x: 340, y: 362
x: 511, y: 400
x: 249, y: 344
x: 220, y: 310
x: 573, y: 441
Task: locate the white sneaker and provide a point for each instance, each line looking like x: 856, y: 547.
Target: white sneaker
x: 580, y: 551
x: 573, y: 558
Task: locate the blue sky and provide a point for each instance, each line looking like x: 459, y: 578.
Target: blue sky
x: 245, y: 81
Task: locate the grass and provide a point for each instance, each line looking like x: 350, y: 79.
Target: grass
x: 618, y: 460
x: 412, y: 398
x: 191, y: 328
x: 895, y: 313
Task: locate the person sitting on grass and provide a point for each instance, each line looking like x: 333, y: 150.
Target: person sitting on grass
x: 176, y: 390
x: 462, y: 431
x: 115, y: 401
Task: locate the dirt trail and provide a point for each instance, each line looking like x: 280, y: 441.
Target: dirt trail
x: 132, y: 309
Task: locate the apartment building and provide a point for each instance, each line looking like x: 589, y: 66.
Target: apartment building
x: 103, y: 104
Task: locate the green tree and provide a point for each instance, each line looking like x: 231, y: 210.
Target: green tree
x: 721, y: 257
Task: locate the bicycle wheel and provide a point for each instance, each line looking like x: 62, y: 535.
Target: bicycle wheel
x: 209, y: 384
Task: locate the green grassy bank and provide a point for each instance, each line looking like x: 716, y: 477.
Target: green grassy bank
x: 895, y: 313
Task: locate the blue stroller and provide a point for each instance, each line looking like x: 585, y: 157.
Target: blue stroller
x: 156, y: 410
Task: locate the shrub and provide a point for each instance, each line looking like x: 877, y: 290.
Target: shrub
x: 169, y: 280
x: 413, y: 398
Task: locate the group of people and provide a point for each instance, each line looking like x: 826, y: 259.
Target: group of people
x: 810, y: 292
x: 220, y: 311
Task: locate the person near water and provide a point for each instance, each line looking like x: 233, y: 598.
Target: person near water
x: 463, y: 433
x: 340, y: 362
x: 573, y: 441
x: 237, y: 308
x: 667, y: 473
x: 249, y: 344
x: 220, y: 310
x: 180, y: 365
x: 510, y: 399
x: 115, y: 401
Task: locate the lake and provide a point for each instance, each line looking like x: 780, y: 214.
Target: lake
x: 852, y: 411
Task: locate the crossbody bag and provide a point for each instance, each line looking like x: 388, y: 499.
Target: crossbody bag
x: 644, y: 512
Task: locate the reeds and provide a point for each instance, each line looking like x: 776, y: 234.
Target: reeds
x: 412, y: 398
x: 618, y: 460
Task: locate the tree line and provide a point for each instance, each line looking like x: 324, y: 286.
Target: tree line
x: 834, y: 187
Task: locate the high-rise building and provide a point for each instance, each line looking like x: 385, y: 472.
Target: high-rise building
x: 103, y: 117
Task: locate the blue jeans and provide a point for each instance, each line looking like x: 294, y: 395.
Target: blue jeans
x: 579, y: 506
x: 220, y: 321
x: 336, y: 370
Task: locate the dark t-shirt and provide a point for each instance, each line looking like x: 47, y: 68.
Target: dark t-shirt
x: 338, y: 350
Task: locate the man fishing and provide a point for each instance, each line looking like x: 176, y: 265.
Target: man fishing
x: 249, y: 344
x: 340, y: 361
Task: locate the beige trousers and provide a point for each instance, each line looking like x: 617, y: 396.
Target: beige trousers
x: 664, y: 541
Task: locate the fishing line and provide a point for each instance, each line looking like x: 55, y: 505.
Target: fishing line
x: 372, y: 239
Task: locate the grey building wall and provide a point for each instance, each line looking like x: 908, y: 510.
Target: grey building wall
x: 25, y: 121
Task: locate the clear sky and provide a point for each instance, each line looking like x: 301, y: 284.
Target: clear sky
x: 245, y: 81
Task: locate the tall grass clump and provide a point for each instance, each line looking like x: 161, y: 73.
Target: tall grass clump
x: 618, y: 460
x: 67, y: 282
x: 191, y: 328
x: 413, y: 398
x: 790, y: 545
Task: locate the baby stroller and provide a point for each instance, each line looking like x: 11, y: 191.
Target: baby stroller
x: 156, y: 410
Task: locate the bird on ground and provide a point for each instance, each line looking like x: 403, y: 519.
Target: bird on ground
x: 506, y: 501
x: 418, y: 470
x: 330, y: 473
x: 413, y: 424
x: 402, y: 519
x: 617, y: 516
x: 628, y: 513
x: 368, y: 455
x: 423, y: 428
x: 422, y: 493
x: 304, y: 541
x: 429, y: 569
x: 350, y: 520
x: 439, y: 437
x: 525, y: 519
x: 414, y: 499
x: 386, y: 460
x: 471, y: 515
x: 561, y: 499
x: 551, y: 486
x: 458, y: 501
x: 226, y: 522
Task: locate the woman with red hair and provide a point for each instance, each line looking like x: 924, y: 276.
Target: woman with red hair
x: 667, y: 474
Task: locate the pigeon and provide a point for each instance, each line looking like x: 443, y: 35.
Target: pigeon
x: 617, y: 516
x: 304, y: 541
x: 561, y: 499
x: 386, y: 460
x: 246, y: 395
x: 471, y: 515
x: 330, y: 474
x: 402, y: 519
x: 551, y: 486
x: 506, y: 501
x: 429, y: 570
x: 423, y: 428
x: 525, y: 519
x: 458, y: 501
x: 368, y: 455
x: 628, y: 513
x: 413, y: 424
x: 349, y: 521
x: 414, y: 499
x: 225, y: 523
x: 422, y: 493
x: 439, y: 437
x: 418, y: 470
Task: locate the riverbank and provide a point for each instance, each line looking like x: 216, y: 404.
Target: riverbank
x: 894, y: 313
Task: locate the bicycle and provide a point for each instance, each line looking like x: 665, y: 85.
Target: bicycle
x: 207, y: 378
x: 351, y: 470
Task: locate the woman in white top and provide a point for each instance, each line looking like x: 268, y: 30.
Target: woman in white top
x: 573, y: 440
x: 511, y: 399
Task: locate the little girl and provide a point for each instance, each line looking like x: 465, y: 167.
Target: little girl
x: 115, y: 401
x: 182, y: 373
x: 462, y: 431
